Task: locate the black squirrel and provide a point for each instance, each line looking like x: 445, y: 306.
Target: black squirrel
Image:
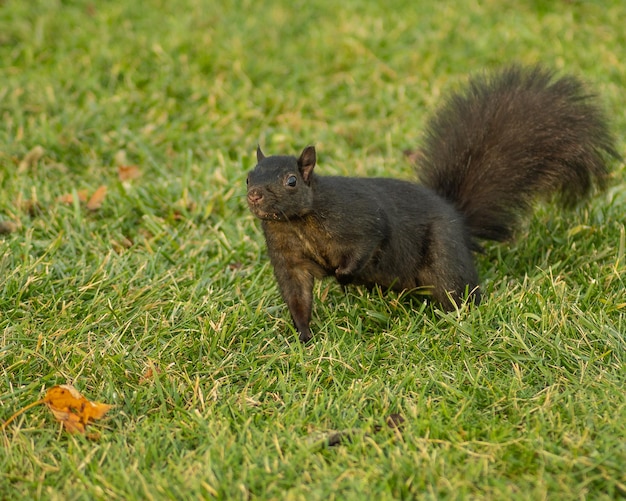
x: 487, y: 154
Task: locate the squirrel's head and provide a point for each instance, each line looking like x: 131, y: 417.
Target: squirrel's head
x: 280, y: 187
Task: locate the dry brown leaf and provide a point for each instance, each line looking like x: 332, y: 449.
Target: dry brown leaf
x: 128, y: 172
x: 73, y: 410
x: 69, y: 407
x: 96, y: 200
x: 148, y: 376
x: 68, y: 198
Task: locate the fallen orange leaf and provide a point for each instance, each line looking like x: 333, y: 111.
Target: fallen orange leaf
x: 150, y: 373
x: 69, y: 407
x: 72, y: 409
x: 68, y: 198
x: 128, y: 172
x: 95, y: 202
x: 147, y: 376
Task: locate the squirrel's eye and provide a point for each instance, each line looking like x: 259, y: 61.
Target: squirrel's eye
x: 291, y: 181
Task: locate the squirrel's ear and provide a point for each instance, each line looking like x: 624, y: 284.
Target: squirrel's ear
x: 306, y: 162
x: 259, y: 154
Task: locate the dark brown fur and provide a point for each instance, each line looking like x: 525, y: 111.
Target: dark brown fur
x: 488, y: 153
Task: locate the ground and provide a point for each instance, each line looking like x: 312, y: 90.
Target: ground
x: 156, y: 295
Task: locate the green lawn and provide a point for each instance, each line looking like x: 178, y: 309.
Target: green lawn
x: 162, y: 301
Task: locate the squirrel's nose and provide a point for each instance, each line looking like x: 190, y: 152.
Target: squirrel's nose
x: 255, y: 196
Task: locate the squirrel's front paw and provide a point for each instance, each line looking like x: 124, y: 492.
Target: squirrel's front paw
x: 305, y: 337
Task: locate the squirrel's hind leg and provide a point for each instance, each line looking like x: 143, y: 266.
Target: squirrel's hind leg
x: 448, y: 267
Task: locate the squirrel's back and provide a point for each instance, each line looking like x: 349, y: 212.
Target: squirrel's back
x: 507, y: 138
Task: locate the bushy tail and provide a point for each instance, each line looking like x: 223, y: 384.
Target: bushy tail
x: 509, y: 138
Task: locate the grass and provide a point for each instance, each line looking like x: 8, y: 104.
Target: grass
x: 520, y: 398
